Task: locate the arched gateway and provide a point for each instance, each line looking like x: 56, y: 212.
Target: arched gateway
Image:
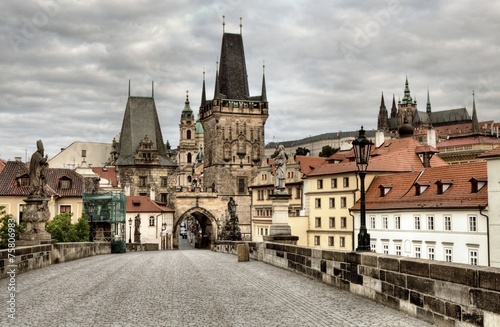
x: 203, y: 227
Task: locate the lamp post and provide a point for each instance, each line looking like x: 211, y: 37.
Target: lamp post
x: 165, y: 235
x: 362, y: 147
x: 92, y: 228
x: 130, y: 230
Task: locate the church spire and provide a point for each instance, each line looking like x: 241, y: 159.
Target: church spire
x: 264, y: 92
x: 407, y: 97
x: 383, y: 119
x: 428, y: 103
x: 475, y: 123
x: 394, y: 109
x: 217, y: 87
x: 203, y: 93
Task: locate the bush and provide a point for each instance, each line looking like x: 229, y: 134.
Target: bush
x: 62, y: 230
x: 4, y: 228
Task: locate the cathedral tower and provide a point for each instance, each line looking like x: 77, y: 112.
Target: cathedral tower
x: 188, y: 149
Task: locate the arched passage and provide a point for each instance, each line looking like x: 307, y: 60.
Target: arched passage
x: 201, y: 225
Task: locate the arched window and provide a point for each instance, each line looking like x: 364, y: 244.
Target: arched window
x: 189, y: 179
x: 188, y: 134
x: 189, y: 157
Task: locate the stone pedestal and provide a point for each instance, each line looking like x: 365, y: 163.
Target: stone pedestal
x: 280, y: 231
x: 137, y: 238
x: 36, y: 216
x: 243, y: 251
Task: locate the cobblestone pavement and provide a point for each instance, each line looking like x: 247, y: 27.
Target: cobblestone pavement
x: 185, y: 288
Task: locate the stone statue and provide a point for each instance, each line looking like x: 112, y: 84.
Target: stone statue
x: 231, y: 207
x: 137, y: 224
x: 37, y: 167
x: 280, y: 169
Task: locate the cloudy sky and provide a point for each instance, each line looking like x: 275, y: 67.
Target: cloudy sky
x: 65, y: 64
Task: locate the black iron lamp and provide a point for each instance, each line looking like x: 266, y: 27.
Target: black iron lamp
x: 362, y: 147
x: 130, y: 230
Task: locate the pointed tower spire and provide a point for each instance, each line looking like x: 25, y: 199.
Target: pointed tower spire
x: 475, y: 123
x: 407, y: 97
x: 203, y: 93
x: 217, y: 86
x: 264, y: 92
x: 394, y: 109
x: 223, y: 24
x: 383, y: 119
x: 428, y: 108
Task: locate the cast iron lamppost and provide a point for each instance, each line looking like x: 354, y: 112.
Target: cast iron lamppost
x: 165, y: 235
x: 92, y: 229
x: 130, y: 230
x: 362, y: 147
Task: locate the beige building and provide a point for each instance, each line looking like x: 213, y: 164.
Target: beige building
x: 93, y: 154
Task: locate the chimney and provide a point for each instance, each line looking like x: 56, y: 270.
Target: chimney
x: 379, y: 138
x: 431, y: 137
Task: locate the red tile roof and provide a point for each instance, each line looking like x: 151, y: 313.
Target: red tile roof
x: 403, y: 195
x: 308, y: 163
x: 397, y: 155
x: 478, y: 139
x: 145, y: 204
x: 108, y: 173
x: 491, y: 154
x: 15, y: 169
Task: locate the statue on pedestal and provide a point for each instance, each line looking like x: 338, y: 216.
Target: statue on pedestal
x: 280, y: 169
x: 38, y: 164
x: 137, y: 229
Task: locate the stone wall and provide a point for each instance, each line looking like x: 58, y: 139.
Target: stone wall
x: 442, y: 293
x: 26, y: 258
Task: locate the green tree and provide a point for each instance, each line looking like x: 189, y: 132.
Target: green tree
x: 8, y: 222
x: 61, y: 229
x: 82, y: 229
x: 301, y: 151
x: 327, y: 151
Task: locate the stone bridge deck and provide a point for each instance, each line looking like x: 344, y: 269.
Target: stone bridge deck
x: 185, y: 288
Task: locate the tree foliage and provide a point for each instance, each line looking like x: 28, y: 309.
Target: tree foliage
x: 301, y: 151
x: 327, y: 151
x: 5, y: 220
x: 62, y: 230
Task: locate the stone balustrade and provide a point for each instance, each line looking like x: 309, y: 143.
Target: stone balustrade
x: 442, y: 293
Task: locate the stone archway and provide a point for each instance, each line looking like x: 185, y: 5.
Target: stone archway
x: 207, y: 223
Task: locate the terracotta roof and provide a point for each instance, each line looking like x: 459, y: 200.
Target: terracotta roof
x: 397, y: 155
x: 307, y: 164
x: 492, y: 153
x: 14, y: 169
x: 477, y: 139
x: 403, y: 194
x: 2, y: 164
x: 145, y: 204
x: 108, y: 173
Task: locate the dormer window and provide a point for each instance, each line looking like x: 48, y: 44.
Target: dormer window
x: 442, y: 186
x: 136, y: 203
x: 384, y: 189
x: 477, y: 184
x: 23, y: 180
x: 64, y: 183
x: 421, y: 187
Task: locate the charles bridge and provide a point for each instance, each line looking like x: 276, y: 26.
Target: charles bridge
x: 188, y: 287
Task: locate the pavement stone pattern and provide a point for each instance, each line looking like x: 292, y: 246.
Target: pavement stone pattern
x: 185, y: 288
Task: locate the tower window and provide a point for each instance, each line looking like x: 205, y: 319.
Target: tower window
x: 188, y: 134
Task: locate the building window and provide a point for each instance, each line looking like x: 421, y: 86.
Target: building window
x: 343, y: 222
x: 473, y: 257
x: 65, y: 208
x: 397, y: 248
x: 332, y: 202
x: 317, y: 202
x: 447, y: 223
x: 151, y: 221
x: 331, y: 241
x: 23, y: 181
x: 385, y: 223
x: 241, y: 186
x: 385, y: 247
x: 334, y: 183
x: 342, y: 242
x: 316, y: 240
x: 418, y: 252
x: 142, y: 181
x: 188, y: 134
x: 346, y: 181
x: 317, y: 222
x: 430, y: 252
x: 430, y: 222
x: 417, y: 222
x: 332, y: 222
x: 298, y: 193
x: 164, y: 181
x: 472, y: 224
x: 320, y: 184
x: 397, y: 222
x: 189, y: 157
x: 164, y: 197
x: 65, y: 184
x: 343, y: 202
x: 448, y: 254
x: 372, y: 222
x: 373, y: 247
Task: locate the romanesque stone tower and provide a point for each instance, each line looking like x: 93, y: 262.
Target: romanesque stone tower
x: 233, y: 122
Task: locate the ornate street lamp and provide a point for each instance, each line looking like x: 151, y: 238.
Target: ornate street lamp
x: 92, y: 227
x: 362, y: 147
x: 130, y: 230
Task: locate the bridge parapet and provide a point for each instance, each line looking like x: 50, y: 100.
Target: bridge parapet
x: 441, y: 293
